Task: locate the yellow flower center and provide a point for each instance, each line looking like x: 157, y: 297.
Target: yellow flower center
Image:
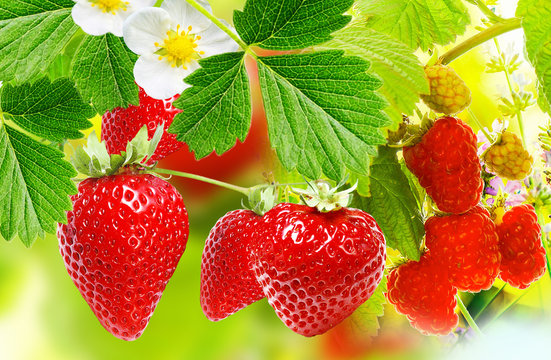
x: 179, y: 48
x: 110, y: 6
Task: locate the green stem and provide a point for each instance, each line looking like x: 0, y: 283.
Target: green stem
x: 508, y: 307
x: 490, y: 301
x: 218, y: 23
x: 483, y: 36
x: 489, y: 13
x: 468, y: 316
x: 477, y: 122
x: 540, y: 216
x: 239, y: 189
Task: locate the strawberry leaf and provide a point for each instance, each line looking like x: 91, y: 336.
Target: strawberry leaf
x: 323, y: 113
x: 365, y: 319
x: 393, y: 204
x: 32, y: 34
x: 216, y: 110
x: 52, y: 110
x: 103, y: 71
x: 35, y: 183
x: 417, y: 23
x: 290, y: 24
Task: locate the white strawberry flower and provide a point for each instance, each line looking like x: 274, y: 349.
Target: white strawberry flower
x: 170, y: 40
x: 98, y: 17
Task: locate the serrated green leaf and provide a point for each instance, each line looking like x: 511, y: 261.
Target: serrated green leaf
x: 400, y: 70
x: 537, y: 30
x: 35, y: 184
x: 417, y: 23
x: 323, y: 113
x: 216, y: 110
x: 32, y: 33
x: 365, y: 319
x: 52, y: 110
x: 290, y: 24
x: 103, y: 70
x: 393, y: 205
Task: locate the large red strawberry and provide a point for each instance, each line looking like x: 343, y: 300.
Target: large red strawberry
x: 523, y: 256
x: 228, y: 282
x: 120, y: 125
x: 123, y: 240
x: 447, y: 165
x: 467, y: 245
x: 317, y: 267
x: 421, y: 291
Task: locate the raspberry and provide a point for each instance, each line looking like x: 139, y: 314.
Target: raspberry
x: 447, y: 165
x: 468, y: 246
x: 508, y: 158
x: 522, y: 254
x: 422, y: 292
x: 448, y: 92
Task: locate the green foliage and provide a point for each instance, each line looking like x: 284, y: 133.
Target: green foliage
x: 290, y: 24
x: 217, y: 108
x: 537, y: 28
x: 402, y: 73
x: 52, y: 110
x: 393, y: 204
x: 417, y: 23
x: 103, y: 71
x: 323, y: 113
x: 32, y: 33
x: 366, y: 317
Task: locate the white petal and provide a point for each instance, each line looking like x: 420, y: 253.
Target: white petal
x: 94, y: 21
x: 215, y: 41
x: 144, y: 28
x: 135, y: 5
x: 159, y: 79
x: 186, y: 15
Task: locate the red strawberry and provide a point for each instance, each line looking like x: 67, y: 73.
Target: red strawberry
x: 467, y: 245
x: 447, y: 165
x: 421, y: 291
x: 228, y: 283
x: 317, y: 268
x: 124, y: 238
x: 120, y: 126
x: 523, y: 256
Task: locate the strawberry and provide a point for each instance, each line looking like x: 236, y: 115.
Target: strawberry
x: 120, y: 125
x: 448, y: 92
x: 317, y: 267
x: 421, y: 291
x: 523, y: 256
x: 447, y: 165
x: 467, y: 245
x: 228, y: 283
x: 508, y: 158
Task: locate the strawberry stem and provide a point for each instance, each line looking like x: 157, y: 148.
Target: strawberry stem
x: 468, y: 316
x: 239, y: 189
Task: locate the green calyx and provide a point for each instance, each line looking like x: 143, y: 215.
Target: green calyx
x: 93, y: 159
x: 261, y: 199
x: 322, y: 196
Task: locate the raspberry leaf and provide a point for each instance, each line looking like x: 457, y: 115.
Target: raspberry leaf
x: 402, y: 73
x: 365, y: 319
x: 52, y: 110
x: 323, y: 113
x: 218, y: 99
x: 290, y: 24
x: 393, y: 205
x: 103, y: 71
x: 32, y: 34
x: 417, y: 23
x: 536, y: 32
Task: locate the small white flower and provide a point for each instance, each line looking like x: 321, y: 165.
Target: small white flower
x: 170, y: 40
x: 98, y: 17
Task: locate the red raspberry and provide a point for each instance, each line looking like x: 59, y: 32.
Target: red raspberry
x: 467, y: 245
x: 447, y: 165
x: 523, y: 256
x: 421, y: 291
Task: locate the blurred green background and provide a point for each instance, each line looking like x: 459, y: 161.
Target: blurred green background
x: 42, y: 315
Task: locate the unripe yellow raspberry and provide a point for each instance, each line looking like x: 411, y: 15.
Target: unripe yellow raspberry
x: 448, y: 92
x: 508, y: 158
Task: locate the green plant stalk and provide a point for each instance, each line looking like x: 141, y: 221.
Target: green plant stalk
x: 219, y: 23
x: 480, y: 38
x: 489, y: 13
x: 239, y: 189
x: 508, y: 307
x: 519, y: 113
x: 491, y: 300
x: 468, y: 316
x: 477, y: 122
